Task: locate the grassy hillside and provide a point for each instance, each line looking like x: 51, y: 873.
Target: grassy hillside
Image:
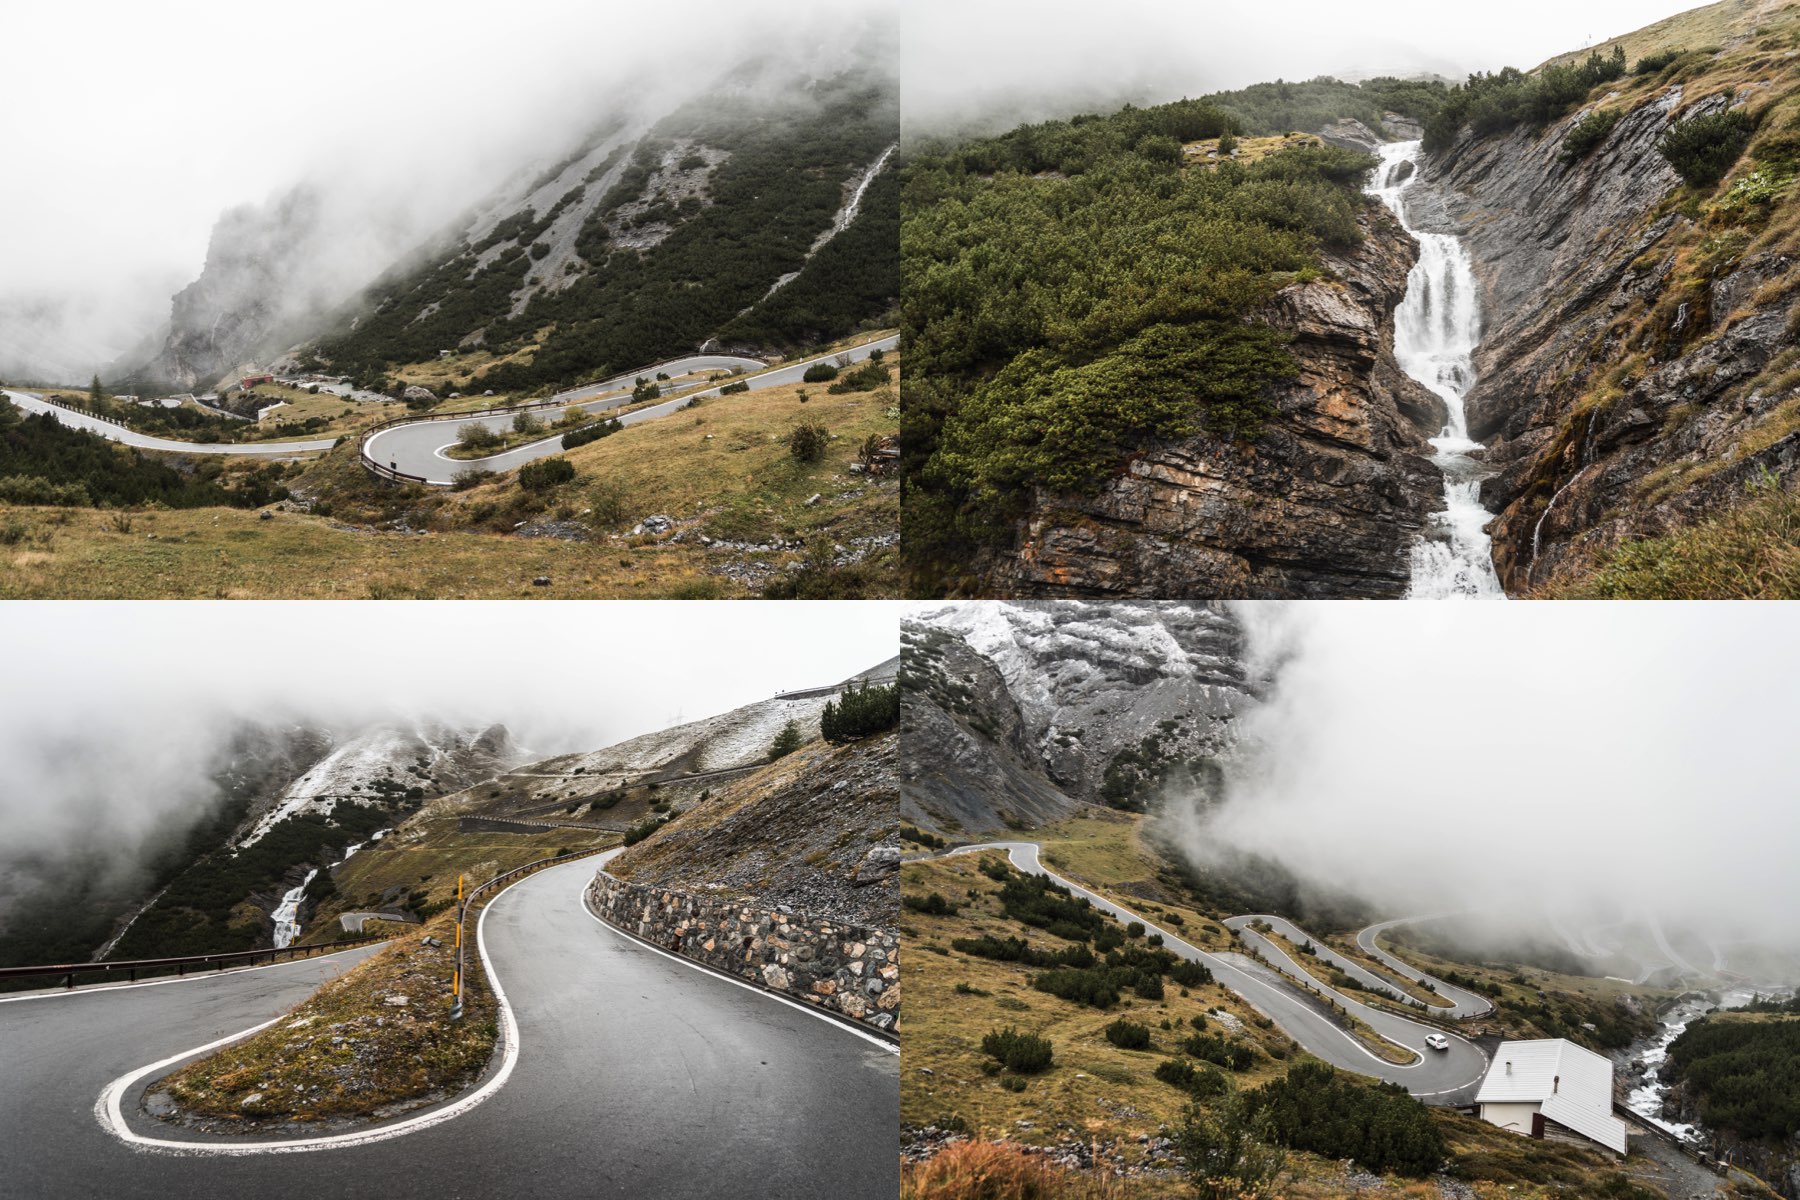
x: 1101, y: 1100
x: 1707, y: 25
x: 722, y: 471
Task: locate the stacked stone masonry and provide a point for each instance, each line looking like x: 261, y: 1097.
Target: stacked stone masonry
x: 850, y: 969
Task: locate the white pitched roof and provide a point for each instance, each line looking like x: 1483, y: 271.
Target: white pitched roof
x: 1572, y: 1086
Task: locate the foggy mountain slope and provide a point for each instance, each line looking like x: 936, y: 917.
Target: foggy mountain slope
x: 652, y: 234
x: 1036, y: 707
x: 311, y: 807
x: 666, y: 241
x: 61, y: 901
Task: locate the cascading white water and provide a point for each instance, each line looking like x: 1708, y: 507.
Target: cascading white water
x: 1436, y: 330
x: 1646, y: 1099
x: 287, y: 913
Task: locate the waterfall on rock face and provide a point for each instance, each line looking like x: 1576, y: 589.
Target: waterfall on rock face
x: 1435, y: 333
x: 287, y: 913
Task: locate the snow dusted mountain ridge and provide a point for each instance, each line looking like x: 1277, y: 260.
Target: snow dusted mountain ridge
x: 430, y: 755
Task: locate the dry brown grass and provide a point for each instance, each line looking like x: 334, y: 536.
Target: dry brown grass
x: 1000, y: 1171
x: 351, y: 1049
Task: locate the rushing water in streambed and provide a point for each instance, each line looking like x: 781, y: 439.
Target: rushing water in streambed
x: 1435, y: 333
x: 1646, y: 1099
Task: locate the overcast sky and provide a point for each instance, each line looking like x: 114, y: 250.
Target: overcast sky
x: 128, y: 127
x: 111, y: 710
x: 1039, y: 58
x: 1508, y: 757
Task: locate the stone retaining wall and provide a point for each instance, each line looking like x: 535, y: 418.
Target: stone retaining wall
x: 850, y: 969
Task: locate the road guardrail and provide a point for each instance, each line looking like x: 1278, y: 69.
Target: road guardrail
x: 151, y: 966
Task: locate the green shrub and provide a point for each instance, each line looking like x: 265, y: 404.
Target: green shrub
x: 933, y: 905
x: 1036, y: 901
x: 1199, y: 1082
x: 1214, y: 1049
x: 644, y: 829
x: 786, y: 742
x: 1021, y: 1052
x: 1703, y: 149
x: 470, y: 477
x: 860, y: 711
x: 866, y: 378
x: 527, y: 423
x: 807, y: 442
x: 1382, y: 1128
x: 545, y: 473
x: 476, y: 436
x: 1228, y: 1150
x: 1020, y: 951
x: 1586, y: 134
x: 742, y: 385
x: 590, y: 433
x: 34, y: 489
x: 1128, y: 1035
x: 1094, y: 988
x: 1651, y: 64
x: 1494, y: 103
x: 820, y: 372
x: 1188, y: 973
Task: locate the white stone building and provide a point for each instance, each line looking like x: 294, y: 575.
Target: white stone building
x: 1551, y: 1088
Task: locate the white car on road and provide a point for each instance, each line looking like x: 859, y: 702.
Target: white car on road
x: 1437, y: 1041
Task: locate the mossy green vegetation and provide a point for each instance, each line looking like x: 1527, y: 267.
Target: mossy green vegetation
x: 1075, y: 292
x: 1494, y: 102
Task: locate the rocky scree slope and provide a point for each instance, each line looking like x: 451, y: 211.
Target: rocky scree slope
x: 1326, y: 502
x: 1016, y: 714
x: 816, y: 831
x: 1638, y: 363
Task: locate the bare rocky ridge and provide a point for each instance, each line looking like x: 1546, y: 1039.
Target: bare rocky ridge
x: 1567, y: 257
x: 1325, y: 503
x: 815, y: 831
x: 1014, y: 712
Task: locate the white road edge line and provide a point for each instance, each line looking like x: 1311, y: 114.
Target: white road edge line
x: 107, y: 1110
x: 581, y: 899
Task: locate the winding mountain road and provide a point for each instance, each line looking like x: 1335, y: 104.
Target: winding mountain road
x: 34, y: 403
x: 1468, y: 1004
x: 420, y: 448
x: 631, y: 1074
x: 1439, y: 1076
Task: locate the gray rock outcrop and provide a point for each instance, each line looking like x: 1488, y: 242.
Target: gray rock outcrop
x: 1325, y: 503
x: 1612, y: 383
